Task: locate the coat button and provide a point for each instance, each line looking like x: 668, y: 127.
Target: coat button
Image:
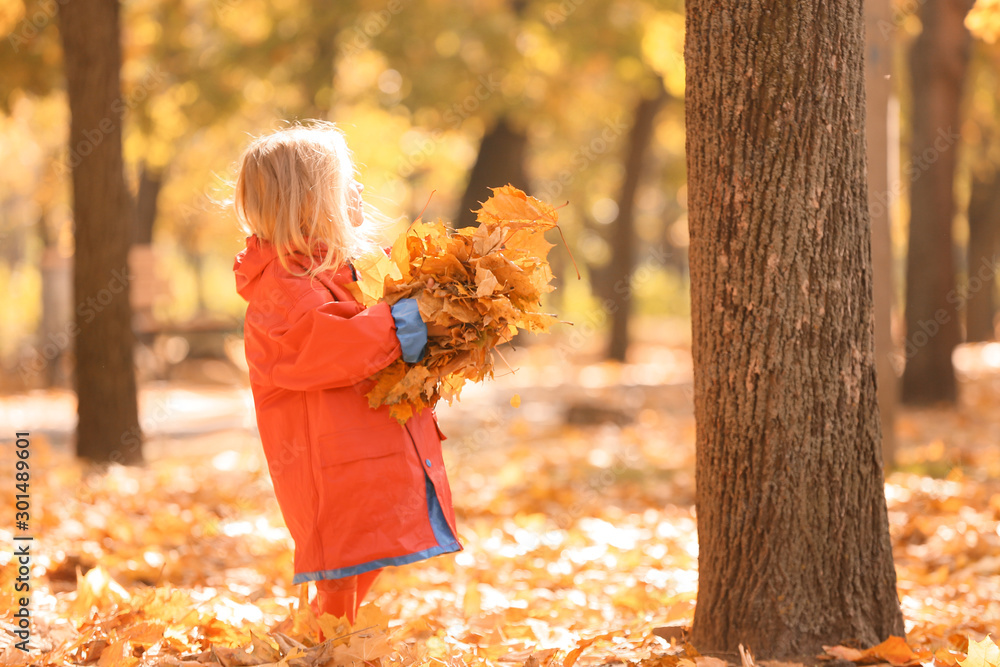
x: 428, y: 462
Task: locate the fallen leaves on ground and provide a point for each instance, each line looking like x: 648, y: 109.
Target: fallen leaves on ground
x: 893, y: 650
x: 481, y: 284
x: 580, y: 539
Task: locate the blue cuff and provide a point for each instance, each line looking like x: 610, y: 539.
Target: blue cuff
x: 410, y: 330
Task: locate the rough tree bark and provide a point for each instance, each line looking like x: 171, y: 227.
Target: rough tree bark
x: 938, y: 63
x: 108, y: 428
x: 794, y: 548
x: 623, y: 236
x: 882, y: 156
x: 500, y: 161
x: 983, y: 255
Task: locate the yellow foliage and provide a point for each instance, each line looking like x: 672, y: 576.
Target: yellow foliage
x: 663, y: 47
x: 12, y: 14
x: 983, y: 21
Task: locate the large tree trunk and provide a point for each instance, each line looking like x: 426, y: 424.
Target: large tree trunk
x: 938, y: 62
x: 882, y: 156
x: 108, y: 428
x: 794, y: 548
x: 623, y: 237
x: 983, y: 255
x: 500, y: 161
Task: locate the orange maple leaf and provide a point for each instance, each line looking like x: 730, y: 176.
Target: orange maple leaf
x: 513, y: 209
x: 893, y: 650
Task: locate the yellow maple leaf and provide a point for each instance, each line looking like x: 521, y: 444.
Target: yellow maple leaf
x: 486, y: 239
x: 531, y: 242
x: 411, y: 384
x: 400, y: 255
x: 486, y: 282
x: 386, y: 379
x: 263, y: 649
x: 96, y: 589
x: 335, y: 628
x: 984, y: 653
x: 373, y: 269
x: 367, y: 648
x: 372, y: 616
x: 118, y: 654
x: 401, y: 411
x: 513, y: 208
x: 431, y: 232
x: 144, y: 633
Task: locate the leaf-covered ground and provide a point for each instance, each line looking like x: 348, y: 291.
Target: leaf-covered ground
x: 575, y: 509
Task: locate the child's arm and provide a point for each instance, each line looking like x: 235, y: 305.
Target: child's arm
x: 320, y: 344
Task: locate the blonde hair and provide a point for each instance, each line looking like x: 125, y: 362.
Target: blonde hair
x: 293, y: 191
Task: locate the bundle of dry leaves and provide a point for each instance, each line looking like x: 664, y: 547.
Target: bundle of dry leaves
x: 481, y: 285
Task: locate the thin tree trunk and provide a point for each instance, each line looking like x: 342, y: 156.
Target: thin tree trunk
x: 197, y: 262
x: 881, y: 198
x: 108, y: 428
x: 317, y: 87
x: 142, y: 257
x: 623, y: 237
x: 938, y: 63
x: 794, y: 548
x: 500, y: 161
x: 54, y: 327
x: 983, y: 256
x: 146, y: 204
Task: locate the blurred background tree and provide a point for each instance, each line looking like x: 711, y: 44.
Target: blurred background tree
x: 108, y: 413
x: 983, y: 211
x: 938, y: 62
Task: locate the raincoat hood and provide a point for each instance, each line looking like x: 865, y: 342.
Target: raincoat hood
x: 250, y: 264
x: 252, y: 261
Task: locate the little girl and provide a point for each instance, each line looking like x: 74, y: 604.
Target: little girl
x: 358, y: 490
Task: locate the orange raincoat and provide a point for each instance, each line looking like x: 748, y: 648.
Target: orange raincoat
x: 358, y: 490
